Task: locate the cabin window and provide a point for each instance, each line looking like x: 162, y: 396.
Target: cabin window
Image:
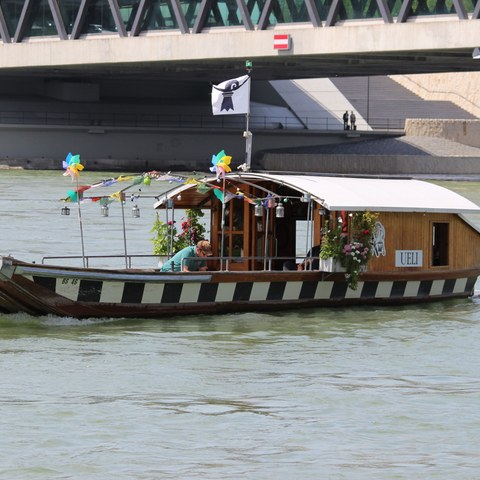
x: 440, y: 244
x: 303, y: 238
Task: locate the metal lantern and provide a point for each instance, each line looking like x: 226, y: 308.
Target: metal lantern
x: 258, y: 210
x: 135, y: 211
x: 65, y: 210
x: 279, y: 211
x: 104, y: 210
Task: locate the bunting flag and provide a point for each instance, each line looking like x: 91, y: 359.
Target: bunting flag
x: 220, y: 166
x: 231, y: 97
x: 72, y: 167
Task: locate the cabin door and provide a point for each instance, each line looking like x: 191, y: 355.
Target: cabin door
x: 233, y: 235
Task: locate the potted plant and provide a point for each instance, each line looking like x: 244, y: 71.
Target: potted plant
x: 331, y: 248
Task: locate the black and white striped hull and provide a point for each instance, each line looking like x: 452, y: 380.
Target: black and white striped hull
x: 84, y: 293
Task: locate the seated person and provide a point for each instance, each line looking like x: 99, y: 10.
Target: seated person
x: 311, y: 261
x: 183, y: 261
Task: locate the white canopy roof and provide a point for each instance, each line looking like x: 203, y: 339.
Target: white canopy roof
x: 376, y: 194
x: 358, y: 194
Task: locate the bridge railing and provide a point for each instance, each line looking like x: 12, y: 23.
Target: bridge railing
x: 182, y: 120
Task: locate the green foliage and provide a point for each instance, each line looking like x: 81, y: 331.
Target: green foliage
x: 164, y: 236
x: 167, y: 240
x: 333, y: 241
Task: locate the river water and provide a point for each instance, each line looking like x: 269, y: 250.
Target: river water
x: 359, y: 393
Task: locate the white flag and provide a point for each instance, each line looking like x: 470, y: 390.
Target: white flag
x: 231, y: 97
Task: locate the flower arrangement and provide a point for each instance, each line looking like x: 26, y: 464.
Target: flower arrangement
x: 350, y: 244
x: 167, y: 240
x: 333, y: 241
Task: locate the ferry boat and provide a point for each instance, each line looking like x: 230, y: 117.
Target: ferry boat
x: 364, y: 241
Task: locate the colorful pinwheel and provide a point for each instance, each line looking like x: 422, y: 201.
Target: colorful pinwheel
x: 221, y: 164
x: 72, y: 165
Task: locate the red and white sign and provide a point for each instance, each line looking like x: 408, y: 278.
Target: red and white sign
x: 281, y: 42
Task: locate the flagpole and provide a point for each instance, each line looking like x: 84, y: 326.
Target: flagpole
x: 247, y: 133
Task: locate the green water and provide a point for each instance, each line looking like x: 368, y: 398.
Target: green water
x: 364, y: 393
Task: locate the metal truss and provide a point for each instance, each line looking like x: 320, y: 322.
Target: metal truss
x: 73, y: 19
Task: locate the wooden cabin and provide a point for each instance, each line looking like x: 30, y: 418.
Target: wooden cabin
x: 423, y: 225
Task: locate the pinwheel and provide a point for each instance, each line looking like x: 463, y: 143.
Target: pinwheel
x: 72, y: 165
x: 221, y: 164
x: 71, y: 196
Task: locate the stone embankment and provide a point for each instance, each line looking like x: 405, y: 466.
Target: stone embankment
x: 430, y: 148
x: 464, y: 132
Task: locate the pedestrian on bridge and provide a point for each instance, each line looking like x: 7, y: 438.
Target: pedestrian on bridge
x: 353, y: 119
x: 345, y: 120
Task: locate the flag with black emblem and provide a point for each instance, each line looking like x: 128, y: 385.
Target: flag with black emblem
x: 231, y: 97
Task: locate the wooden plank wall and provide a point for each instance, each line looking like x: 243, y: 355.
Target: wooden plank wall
x: 413, y: 231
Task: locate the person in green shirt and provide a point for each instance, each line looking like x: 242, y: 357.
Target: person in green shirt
x: 185, y: 260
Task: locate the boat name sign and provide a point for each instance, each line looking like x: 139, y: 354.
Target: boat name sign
x: 408, y: 258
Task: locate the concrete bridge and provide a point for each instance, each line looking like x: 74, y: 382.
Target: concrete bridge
x: 145, y: 57
x: 205, y: 41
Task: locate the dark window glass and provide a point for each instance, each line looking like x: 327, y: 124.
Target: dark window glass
x: 40, y: 22
x: 12, y: 10
x: 69, y: 10
x: 190, y: 9
x: 288, y: 11
x: 224, y: 13
x: 440, y: 244
x: 159, y: 16
x: 470, y: 5
x: 99, y: 18
x: 431, y: 7
x: 128, y: 10
x: 358, y: 9
x: 323, y: 7
x: 394, y: 6
x: 255, y: 8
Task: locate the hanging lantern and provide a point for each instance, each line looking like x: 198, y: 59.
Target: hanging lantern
x: 104, y: 210
x: 322, y: 211
x: 135, y: 211
x: 258, y: 210
x: 279, y: 211
x: 65, y: 210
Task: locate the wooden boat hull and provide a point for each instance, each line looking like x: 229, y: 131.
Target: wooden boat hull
x: 94, y: 293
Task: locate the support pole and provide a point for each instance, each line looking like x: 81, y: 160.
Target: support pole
x: 222, y: 242
x: 122, y: 202
x: 81, y: 225
x: 248, y: 143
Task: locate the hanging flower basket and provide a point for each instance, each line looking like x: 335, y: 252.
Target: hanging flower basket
x: 348, y: 248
